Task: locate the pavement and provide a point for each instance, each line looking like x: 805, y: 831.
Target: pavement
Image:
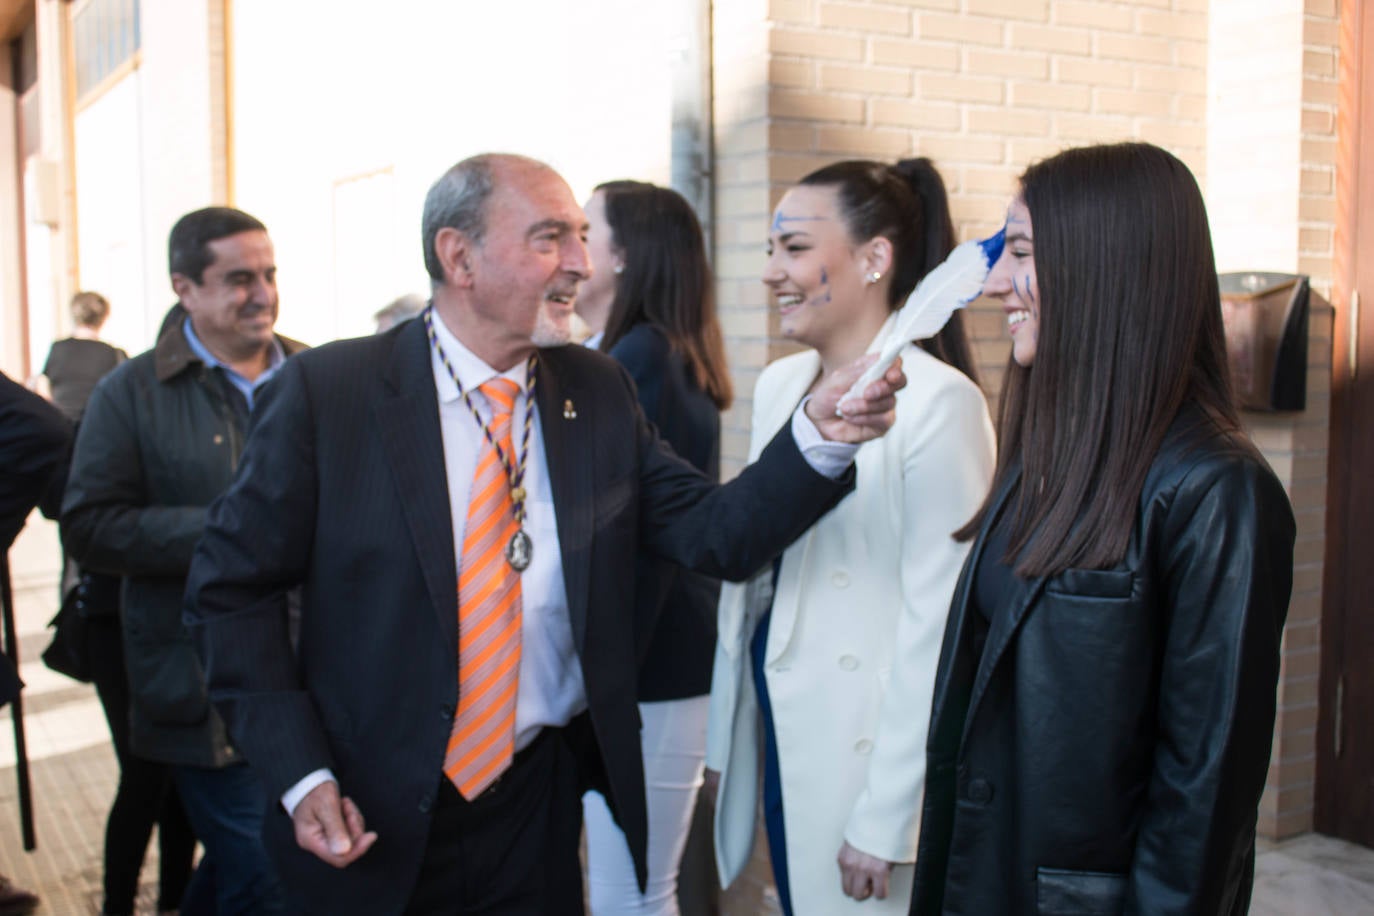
x: 73, y: 772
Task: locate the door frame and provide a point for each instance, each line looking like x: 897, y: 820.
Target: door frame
x: 1352, y: 365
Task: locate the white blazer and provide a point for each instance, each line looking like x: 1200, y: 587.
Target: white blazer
x: 858, y: 618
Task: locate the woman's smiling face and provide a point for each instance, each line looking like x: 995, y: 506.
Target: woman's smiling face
x: 813, y: 270
x: 1012, y: 281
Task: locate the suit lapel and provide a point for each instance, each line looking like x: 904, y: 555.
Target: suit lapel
x: 568, y: 450
x: 408, y: 419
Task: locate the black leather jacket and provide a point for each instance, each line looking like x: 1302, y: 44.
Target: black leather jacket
x: 158, y: 443
x: 1107, y: 753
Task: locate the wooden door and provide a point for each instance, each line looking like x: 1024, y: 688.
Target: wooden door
x: 1345, y: 727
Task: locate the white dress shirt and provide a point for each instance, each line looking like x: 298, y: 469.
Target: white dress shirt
x: 551, y: 690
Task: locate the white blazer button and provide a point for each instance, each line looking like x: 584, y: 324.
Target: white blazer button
x: 840, y: 579
x: 864, y: 746
x: 849, y: 662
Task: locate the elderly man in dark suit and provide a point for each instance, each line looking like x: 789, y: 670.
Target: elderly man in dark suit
x: 462, y: 499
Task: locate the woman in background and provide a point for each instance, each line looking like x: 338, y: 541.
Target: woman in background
x: 145, y: 795
x: 650, y: 305
x: 76, y: 363
x: 824, y: 659
x: 1105, y: 699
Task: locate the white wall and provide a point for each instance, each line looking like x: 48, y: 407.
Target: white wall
x: 1254, y: 136
x: 142, y: 160
x: 342, y: 123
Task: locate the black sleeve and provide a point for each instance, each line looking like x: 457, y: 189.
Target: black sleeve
x: 34, y: 437
x: 1228, y: 570
x: 107, y: 523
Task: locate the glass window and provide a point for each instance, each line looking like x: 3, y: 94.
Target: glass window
x: 106, y: 33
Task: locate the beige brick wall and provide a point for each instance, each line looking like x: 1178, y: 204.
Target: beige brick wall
x: 983, y: 87
x: 1297, y: 445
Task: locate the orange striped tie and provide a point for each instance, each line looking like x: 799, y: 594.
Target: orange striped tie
x: 482, y: 742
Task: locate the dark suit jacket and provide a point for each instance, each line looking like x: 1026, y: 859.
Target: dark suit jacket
x: 34, y: 437
x: 342, y: 489
x: 1106, y: 752
x: 677, y: 605
x: 34, y: 441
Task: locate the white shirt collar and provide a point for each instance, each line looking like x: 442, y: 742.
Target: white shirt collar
x: 471, y: 369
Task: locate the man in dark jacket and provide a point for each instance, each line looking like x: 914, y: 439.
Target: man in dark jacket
x: 159, y: 441
x: 33, y: 444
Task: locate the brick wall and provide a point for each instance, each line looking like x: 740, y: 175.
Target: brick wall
x: 983, y: 87
x: 1297, y: 445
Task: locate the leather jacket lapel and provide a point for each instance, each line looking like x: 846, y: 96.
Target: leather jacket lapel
x: 1005, y: 621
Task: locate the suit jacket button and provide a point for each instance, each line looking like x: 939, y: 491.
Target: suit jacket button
x: 849, y: 663
x: 425, y: 802
x: 446, y: 712
x: 979, y: 791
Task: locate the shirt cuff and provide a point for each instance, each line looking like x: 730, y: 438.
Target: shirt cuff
x: 829, y: 459
x: 294, y: 795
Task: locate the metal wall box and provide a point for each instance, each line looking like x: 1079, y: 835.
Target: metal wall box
x: 1266, y: 317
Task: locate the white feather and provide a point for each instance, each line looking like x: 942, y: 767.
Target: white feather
x: 951, y: 286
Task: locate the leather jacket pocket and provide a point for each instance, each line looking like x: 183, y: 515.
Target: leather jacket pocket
x: 1061, y: 892
x: 1092, y: 583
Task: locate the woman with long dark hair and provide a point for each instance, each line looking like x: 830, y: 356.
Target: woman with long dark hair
x: 1104, y: 704
x: 651, y: 305
x: 823, y: 659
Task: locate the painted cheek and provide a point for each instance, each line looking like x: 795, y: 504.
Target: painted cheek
x: 822, y: 296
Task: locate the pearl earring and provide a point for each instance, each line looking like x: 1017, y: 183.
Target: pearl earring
x: 873, y: 277
x: 618, y: 269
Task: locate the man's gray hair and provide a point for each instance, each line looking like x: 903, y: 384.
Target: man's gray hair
x: 458, y: 200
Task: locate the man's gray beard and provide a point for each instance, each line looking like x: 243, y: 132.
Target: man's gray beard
x: 547, y: 333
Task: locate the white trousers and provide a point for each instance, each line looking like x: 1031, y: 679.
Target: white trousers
x: 674, y: 746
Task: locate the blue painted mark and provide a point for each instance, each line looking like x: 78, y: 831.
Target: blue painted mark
x: 825, y: 281
x: 780, y: 218
x: 992, y: 246
x: 1028, y: 293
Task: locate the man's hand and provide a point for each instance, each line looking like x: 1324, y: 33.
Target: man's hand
x: 331, y: 828
x: 856, y: 420
x: 862, y: 875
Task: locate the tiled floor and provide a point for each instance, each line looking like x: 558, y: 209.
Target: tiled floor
x: 73, y: 772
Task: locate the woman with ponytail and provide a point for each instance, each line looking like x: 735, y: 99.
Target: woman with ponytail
x: 823, y: 660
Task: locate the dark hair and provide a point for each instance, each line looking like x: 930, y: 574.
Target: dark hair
x: 188, y: 246
x: 666, y: 281
x: 1129, y: 330
x: 906, y: 204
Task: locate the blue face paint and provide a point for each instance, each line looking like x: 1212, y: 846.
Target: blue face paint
x: 780, y: 218
x: 824, y: 297
x: 992, y: 246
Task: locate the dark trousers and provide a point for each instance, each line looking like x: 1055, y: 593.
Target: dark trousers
x: 774, y: 821
x: 513, y: 850
x: 225, y: 806
x: 145, y: 794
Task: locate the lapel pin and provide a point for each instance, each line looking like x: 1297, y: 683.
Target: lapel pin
x: 569, y: 411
